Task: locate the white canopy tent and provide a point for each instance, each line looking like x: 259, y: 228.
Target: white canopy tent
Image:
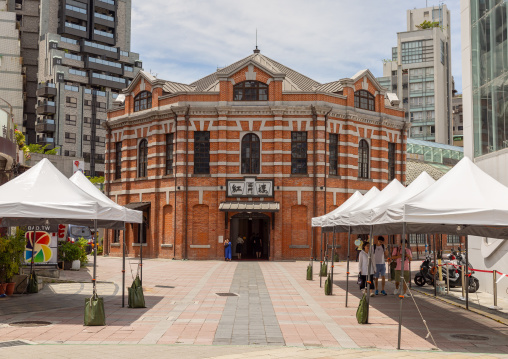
x: 321, y: 220
x: 43, y: 196
x: 465, y: 201
x: 332, y: 220
x: 130, y: 215
x: 360, y: 216
x: 362, y: 220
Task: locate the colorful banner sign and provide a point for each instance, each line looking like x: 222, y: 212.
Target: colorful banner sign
x: 41, y: 242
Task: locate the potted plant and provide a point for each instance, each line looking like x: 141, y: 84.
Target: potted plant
x: 11, y: 251
x: 69, y: 252
x: 83, y: 244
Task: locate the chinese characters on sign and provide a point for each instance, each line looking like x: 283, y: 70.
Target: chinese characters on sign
x: 249, y: 187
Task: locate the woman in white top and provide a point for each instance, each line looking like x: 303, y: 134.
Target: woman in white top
x: 363, y: 268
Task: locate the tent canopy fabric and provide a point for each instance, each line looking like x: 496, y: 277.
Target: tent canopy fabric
x: 80, y: 180
x: 376, y: 212
x: 321, y: 220
x: 465, y: 201
x: 362, y: 215
x: 43, y: 196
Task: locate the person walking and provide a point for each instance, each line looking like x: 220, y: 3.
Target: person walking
x: 380, y: 255
x: 363, y: 268
x: 397, y: 255
x: 227, y: 250
x: 259, y: 246
x: 358, y: 244
x: 239, y: 247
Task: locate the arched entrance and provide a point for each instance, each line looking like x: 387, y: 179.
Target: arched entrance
x: 250, y: 225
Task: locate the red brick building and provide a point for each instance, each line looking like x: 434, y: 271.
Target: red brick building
x: 254, y: 148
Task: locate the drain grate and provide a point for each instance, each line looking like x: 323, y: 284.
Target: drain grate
x: 227, y: 294
x: 30, y: 323
x: 164, y: 286
x: 12, y: 343
x: 469, y: 337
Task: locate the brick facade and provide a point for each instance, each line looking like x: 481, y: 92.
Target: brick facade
x: 184, y: 216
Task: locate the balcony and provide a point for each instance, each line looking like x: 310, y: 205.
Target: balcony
x: 103, y: 65
x: 45, y: 140
x: 74, y: 29
x: 76, y: 12
x: 107, y: 81
x: 47, y: 89
x: 46, y: 108
x: 46, y: 125
x: 103, y: 36
x: 104, y: 20
x: 106, y: 4
x: 98, y: 49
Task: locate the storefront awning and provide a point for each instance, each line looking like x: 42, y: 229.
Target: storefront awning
x: 140, y: 206
x: 249, y: 206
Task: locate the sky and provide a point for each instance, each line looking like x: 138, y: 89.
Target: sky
x: 326, y: 40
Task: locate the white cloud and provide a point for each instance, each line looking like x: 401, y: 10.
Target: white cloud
x: 184, y: 40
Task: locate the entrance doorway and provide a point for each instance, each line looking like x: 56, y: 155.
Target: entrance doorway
x: 251, y: 225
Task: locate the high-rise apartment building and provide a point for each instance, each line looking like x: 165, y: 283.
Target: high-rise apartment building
x: 11, y: 96
x: 419, y: 72
x: 484, y: 41
x: 83, y: 60
x: 27, y: 22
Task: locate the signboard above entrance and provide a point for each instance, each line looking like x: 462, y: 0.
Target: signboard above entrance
x: 249, y: 187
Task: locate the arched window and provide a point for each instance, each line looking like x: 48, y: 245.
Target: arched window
x: 363, y: 159
x: 143, y: 101
x: 364, y: 99
x: 250, y: 153
x: 250, y: 91
x: 143, y: 158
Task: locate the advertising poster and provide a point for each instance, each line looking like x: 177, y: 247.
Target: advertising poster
x: 78, y: 166
x: 41, y: 242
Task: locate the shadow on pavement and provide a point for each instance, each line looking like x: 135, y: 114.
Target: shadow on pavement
x: 453, y: 328
x: 53, y: 305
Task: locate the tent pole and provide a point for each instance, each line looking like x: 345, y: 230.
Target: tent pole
x: 435, y: 264
x: 141, y: 250
x: 347, y: 269
x: 333, y: 258
x: 94, y: 256
x: 369, y: 264
x: 402, y: 282
x: 467, y: 275
x: 320, y: 278
x: 123, y: 269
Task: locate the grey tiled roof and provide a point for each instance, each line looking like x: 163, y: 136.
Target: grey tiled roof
x: 173, y: 87
x: 294, y: 81
x: 334, y: 86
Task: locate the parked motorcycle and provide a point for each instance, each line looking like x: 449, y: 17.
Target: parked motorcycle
x: 454, y: 272
x: 425, y: 275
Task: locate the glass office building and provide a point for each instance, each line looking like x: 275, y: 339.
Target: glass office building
x: 489, y: 52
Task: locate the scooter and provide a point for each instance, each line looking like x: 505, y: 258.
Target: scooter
x: 425, y: 276
x: 454, y: 272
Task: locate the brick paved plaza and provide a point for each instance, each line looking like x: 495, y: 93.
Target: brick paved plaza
x: 276, y: 314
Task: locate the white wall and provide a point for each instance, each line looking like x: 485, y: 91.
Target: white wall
x: 488, y: 254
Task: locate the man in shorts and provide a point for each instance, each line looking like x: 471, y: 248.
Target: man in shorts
x: 380, y: 255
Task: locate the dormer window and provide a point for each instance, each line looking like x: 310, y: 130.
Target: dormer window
x: 143, y: 101
x: 365, y: 100
x: 250, y: 91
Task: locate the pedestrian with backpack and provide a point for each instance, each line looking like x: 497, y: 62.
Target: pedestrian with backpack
x: 380, y: 255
